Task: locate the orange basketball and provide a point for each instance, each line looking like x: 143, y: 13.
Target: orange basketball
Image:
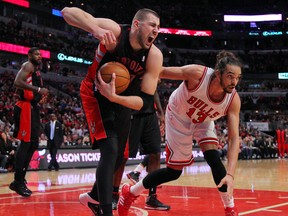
x: 122, y: 75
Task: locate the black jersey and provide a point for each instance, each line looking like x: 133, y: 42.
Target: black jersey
x: 134, y: 61
x: 34, y: 79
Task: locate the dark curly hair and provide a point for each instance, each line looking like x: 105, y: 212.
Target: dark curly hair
x: 224, y: 58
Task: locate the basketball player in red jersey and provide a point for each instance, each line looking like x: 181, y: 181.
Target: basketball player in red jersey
x: 108, y: 114
x: 204, y: 96
x: 30, y: 89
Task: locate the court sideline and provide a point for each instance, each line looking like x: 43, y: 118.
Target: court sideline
x: 260, y: 189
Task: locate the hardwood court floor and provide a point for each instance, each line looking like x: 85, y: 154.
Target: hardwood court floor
x: 261, y: 188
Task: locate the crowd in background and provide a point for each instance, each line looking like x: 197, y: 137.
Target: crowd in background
x: 255, y: 61
x: 254, y: 143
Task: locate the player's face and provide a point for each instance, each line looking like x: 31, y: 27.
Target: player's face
x: 230, y: 78
x: 148, y: 31
x: 36, y: 57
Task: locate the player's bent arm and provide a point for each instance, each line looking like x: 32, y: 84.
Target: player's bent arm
x: 233, y: 134
x: 148, y: 85
x: 186, y: 72
x: 20, y: 80
x: 153, y: 68
x: 78, y: 18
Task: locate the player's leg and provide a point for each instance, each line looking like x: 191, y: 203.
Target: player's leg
x: 135, y: 174
x: 205, y: 132
x: 151, y: 145
x: 100, y: 116
x: 175, y: 163
x: 123, y: 128
x: 117, y: 178
x: 136, y: 132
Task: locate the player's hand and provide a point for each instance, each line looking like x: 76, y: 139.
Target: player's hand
x: 107, y: 38
x: 230, y: 185
x: 162, y: 124
x: 106, y: 89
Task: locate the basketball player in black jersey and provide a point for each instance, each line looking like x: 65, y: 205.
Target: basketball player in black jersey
x: 30, y: 89
x: 108, y: 114
x: 145, y: 133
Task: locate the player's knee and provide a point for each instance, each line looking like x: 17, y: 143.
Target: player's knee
x: 173, y: 173
x: 212, y: 157
x: 218, y: 170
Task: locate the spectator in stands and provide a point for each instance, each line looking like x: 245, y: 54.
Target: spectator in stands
x: 67, y: 140
x: 43, y: 140
x: 86, y: 140
x: 259, y: 145
x: 263, y: 147
x: 8, y: 148
x: 3, y: 154
x: 246, y: 149
x: 223, y: 147
x: 272, y: 147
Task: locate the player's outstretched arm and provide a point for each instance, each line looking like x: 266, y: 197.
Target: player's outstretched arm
x: 185, y: 72
x: 233, y: 144
x: 105, y: 30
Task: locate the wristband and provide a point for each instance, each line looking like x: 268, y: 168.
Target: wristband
x: 230, y: 175
x: 38, y: 89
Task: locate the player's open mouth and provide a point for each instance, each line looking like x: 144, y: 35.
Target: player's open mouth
x: 150, y: 39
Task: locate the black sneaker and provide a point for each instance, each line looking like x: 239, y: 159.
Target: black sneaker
x: 25, y: 182
x: 115, y: 198
x: 20, y: 188
x: 152, y: 203
x: 133, y: 176
x: 87, y: 201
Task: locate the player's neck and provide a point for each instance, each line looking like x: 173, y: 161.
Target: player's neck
x: 216, y: 92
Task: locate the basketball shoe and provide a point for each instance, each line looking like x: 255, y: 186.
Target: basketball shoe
x: 125, y: 200
x: 87, y: 201
x: 115, y: 198
x: 152, y: 203
x: 20, y: 188
x: 133, y: 177
x: 231, y: 211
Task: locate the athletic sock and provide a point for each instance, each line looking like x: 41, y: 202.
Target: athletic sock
x: 137, y: 189
x: 139, y: 168
x: 227, y: 202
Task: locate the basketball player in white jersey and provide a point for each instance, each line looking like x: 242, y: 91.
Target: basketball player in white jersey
x: 204, y: 95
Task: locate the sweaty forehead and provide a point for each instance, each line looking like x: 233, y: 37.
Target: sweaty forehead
x: 233, y: 69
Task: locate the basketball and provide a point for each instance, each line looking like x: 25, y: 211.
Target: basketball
x: 122, y: 75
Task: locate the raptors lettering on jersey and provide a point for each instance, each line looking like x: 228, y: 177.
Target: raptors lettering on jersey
x: 134, y: 67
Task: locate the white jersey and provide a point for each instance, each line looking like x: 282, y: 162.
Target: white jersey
x: 195, y: 105
x: 190, y: 114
